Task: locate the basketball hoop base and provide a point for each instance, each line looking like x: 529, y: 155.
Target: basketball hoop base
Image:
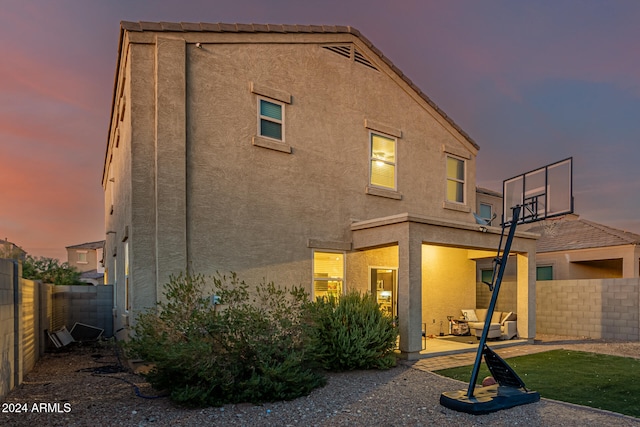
x: 487, y: 399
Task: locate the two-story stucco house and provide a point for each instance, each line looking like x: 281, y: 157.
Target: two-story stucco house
x: 299, y: 155
x: 88, y: 259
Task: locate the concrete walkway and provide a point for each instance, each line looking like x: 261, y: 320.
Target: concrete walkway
x: 455, y: 360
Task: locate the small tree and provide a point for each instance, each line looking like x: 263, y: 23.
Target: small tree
x: 50, y: 270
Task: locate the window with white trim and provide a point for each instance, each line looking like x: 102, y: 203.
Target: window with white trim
x: 270, y: 119
x: 455, y: 179
x: 328, y: 274
x: 382, y: 165
x: 486, y: 212
x: 127, y: 297
x: 82, y: 257
x: 115, y: 282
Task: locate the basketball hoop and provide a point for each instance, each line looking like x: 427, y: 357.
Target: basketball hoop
x: 543, y: 193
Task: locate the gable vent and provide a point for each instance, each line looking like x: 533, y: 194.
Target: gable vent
x: 360, y: 58
x: 349, y: 51
x: 340, y: 50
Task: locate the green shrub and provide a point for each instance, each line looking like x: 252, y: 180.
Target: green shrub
x: 251, y: 348
x: 352, y: 333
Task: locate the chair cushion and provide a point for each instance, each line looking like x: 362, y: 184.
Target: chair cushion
x: 508, y: 317
x: 495, y: 318
x: 470, y: 315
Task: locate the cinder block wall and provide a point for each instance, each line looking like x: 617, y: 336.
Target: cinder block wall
x: 40, y: 307
x: 7, y: 327
x: 90, y: 305
x: 30, y: 323
x: 595, y: 308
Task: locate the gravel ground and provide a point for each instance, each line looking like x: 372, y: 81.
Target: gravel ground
x: 74, y: 395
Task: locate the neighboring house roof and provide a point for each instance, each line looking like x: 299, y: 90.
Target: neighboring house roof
x: 91, y: 274
x: 90, y: 245
x: 488, y: 192
x: 11, y: 250
x: 563, y: 234
x: 276, y: 28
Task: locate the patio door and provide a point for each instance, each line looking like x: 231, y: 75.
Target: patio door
x: 384, y: 285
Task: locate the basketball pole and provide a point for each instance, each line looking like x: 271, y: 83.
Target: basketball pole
x: 502, y: 261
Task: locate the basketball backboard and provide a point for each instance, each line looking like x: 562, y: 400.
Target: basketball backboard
x: 543, y: 193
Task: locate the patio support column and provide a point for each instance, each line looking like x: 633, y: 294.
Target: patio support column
x: 410, y: 294
x: 631, y: 264
x: 526, y: 292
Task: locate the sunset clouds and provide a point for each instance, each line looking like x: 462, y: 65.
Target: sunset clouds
x: 531, y: 82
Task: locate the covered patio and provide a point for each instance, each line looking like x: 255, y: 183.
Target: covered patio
x: 440, y: 346
x: 437, y: 275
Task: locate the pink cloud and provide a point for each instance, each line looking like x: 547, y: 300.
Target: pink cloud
x: 42, y: 210
x: 23, y: 75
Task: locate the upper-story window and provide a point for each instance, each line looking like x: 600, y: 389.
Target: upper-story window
x: 82, y: 257
x: 455, y: 179
x: 486, y: 212
x: 383, y: 161
x: 271, y: 119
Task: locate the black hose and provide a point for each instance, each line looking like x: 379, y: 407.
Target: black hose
x: 136, y: 389
x: 107, y: 370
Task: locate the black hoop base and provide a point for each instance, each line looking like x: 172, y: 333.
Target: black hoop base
x: 487, y: 399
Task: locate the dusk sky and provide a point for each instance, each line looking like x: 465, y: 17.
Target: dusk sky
x: 532, y: 82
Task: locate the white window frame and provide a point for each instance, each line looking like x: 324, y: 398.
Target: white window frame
x: 79, y: 260
x: 490, y: 211
x: 463, y: 180
x: 115, y: 282
x: 372, y: 159
x: 327, y: 279
x: 271, y: 119
x: 127, y: 297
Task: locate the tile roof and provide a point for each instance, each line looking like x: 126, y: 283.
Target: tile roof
x: 563, y: 234
x: 91, y: 274
x: 284, y: 28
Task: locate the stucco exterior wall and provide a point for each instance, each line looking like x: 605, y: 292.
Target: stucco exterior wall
x: 91, y: 262
x: 264, y: 205
x: 508, y: 296
x: 200, y: 193
x: 595, y: 263
x: 448, y: 285
x: 194, y: 185
x: 358, y: 264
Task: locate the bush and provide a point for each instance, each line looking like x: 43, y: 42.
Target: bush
x: 251, y: 348
x: 352, y: 333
